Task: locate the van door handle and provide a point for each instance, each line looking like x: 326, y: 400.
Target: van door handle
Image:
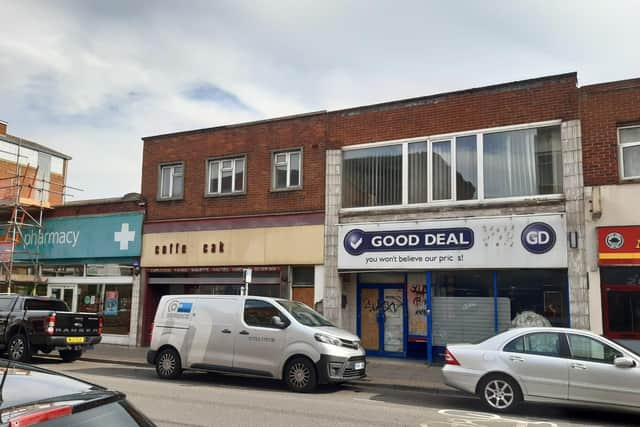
x: 226, y: 331
x: 244, y: 333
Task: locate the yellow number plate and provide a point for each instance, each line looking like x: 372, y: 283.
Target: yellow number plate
x: 75, y: 340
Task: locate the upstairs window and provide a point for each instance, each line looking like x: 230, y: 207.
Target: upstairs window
x: 516, y: 163
x: 372, y: 176
x: 629, y: 141
x: 171, y: 181
x: 524, y: 162
x: 287, y: 170
x: 226, y: 176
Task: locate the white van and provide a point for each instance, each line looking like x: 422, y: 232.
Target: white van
x: 257, y: 336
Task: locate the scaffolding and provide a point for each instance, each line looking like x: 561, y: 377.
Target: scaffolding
x: 25, y: 197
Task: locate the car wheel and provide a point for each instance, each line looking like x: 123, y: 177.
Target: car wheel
x: 300, y: 375
x: 168, y: 364
x: 500, y: 393
x: 18, y: 348
x: 70, y: 355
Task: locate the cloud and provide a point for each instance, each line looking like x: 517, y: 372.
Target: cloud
x: 91, y: 78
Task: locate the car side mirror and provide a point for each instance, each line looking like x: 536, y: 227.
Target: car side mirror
x: 278, y: 323
x: 624, y: 362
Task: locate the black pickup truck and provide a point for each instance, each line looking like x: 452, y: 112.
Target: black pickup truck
x: 32, y: 324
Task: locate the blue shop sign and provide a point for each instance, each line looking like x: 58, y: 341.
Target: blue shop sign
x: 91, y: 236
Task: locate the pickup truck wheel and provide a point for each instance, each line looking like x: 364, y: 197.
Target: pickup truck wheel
x: 300, y: 375
x: 19, y: 349
x: 70, y: 355
x: 168, y: 364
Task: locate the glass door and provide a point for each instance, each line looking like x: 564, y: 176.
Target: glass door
x: 382, y: 319
x: 67, y: 293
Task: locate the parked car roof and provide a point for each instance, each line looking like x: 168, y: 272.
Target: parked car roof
x: 26, y: 383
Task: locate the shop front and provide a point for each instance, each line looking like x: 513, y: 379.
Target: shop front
x: 619, y: 264
x: 285, y: 262
x: 420, y: 285
x: 92, y: 263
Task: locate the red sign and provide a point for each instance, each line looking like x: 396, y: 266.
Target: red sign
x: 619, y: 245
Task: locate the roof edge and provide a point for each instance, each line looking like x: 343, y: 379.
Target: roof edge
x: 498, y: 86
x: 236, y: 125
x: 33, y: 145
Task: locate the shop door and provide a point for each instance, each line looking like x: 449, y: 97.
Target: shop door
x: 621, y: 311
x: 67, y: 293
x: 382, y: 319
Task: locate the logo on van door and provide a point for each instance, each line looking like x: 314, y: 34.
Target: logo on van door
x: 181, y: 307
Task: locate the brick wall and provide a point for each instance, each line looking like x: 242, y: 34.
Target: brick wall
x: 603, y: 107
x: 256, y: 141
x: 95, y: 208
x: 527, y: 101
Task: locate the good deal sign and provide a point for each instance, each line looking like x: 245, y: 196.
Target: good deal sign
x: 531, y: 241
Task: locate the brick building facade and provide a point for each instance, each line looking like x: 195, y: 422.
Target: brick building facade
x: 610, y: 115
x: 368, y: 192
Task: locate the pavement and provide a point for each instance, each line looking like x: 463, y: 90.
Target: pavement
x: 400, y: 374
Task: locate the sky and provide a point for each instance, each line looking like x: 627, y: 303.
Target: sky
x: 91, y: 78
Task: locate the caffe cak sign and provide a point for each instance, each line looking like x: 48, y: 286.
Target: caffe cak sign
x: 528, y: 241
x: 619, y: 245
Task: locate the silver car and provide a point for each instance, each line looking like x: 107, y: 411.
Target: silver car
x: 545, y: 364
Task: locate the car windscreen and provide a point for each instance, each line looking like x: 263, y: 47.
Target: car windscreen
x: 304, y: 314
x: 45, y: 304
x: 630, y: 350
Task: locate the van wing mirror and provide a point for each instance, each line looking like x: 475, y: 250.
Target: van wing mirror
x: 278, y: 323
x: 624, y: 362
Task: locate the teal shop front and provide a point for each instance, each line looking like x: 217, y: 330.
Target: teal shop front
x: 92, y: 262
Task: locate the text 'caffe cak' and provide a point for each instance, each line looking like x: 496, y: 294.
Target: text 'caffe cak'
x: 523, y: 241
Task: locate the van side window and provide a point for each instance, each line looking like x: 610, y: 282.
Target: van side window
x: 259, y: 313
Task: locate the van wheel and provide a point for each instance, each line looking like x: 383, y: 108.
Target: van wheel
x: 18, y: 348
x: 300, y: 375
x: 499, y: 393
x: 70, y: 355
x: 168, y: 364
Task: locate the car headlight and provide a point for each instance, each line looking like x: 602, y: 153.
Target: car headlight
x: 328, y: 339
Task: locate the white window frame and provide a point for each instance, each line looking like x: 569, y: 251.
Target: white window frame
x: 621, y: 147
x: 220, y: 161
x: 452, y: 137
x: 274, y: 163
x: 172, y: 168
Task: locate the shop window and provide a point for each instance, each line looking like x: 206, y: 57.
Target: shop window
x: 587, y: 348
x: 117, y: 309
x: 417, y: 303
x: 303, y: 285
x: 260, y: 313
x: 534, y: 297
x: 372, y: 176
x: 629, y: 141
x: 63, y: 270
x: 109, y: 270
x: 463, y: 307
x: 29, y: 289
x: 621, y: 299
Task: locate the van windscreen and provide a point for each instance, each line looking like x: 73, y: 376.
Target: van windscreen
x: 304, y: 314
